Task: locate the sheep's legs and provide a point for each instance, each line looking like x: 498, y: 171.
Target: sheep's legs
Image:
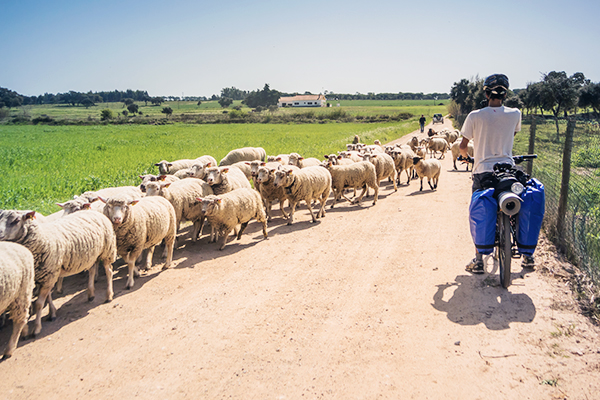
x: 91, y: 275
x: 109, y: 280
x: 18, y: 325
x: 130, y: 260
x: 226, y: 232
x: 39, y: 305
x: 292, y: 209
x: 242, y: 227
x: 312, y: 214
x: 169, y: 246
x: 285, y: 215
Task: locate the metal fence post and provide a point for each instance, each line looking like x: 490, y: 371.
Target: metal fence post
x: 532, y: 130
x: 564, y: 186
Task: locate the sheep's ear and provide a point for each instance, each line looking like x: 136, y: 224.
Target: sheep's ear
x: 208, y: 165
x: 61, y: 205
x: 199, y: 199
x: 272, y: 170
x: 161, y: 178
x: 278, y: 159
x: 262, y: 164
x: 373, y: 155
x: 102, y: 199
x: 225, y: 170
x: 133, y: 202
x: 140, y: 176
x: 86, y: 206
x: 169, y: 164
x: 300, y: 158
x: 218, y: 200
x: 166, y: 184
x: 289, y: 172
x: 29, y: 215
x: 339, y: 157
x: 326, y: 156
x: 247, y: 163
x: 157, y: 164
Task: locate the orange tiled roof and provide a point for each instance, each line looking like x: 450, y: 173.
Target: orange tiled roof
x: 309, y: 97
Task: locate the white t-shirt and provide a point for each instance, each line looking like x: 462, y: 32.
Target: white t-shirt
x: 493, y: 131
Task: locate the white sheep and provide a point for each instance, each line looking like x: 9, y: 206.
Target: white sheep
x: 403, y: 159
x: 265, y: 179
x: 140, y: 225
x: 414, y: 142
x: 154, y: 178
x: 170, y: 167
x: 226, y: 179
x: 16, y: 289
x: 428, y: 168
x: 356, y: 175
x: 438, y: 144
x: 283, y: 159
x: 384, y: 167
x: 456, y: 152
x: 243, y: 154
x: 351, y: 155
x: 182, y: 196
x: 65, y: 247
x: 239, y: 206
x: 244, y: 167
x: 133, y: 192
x: 183, y: 173
x: 308, y: 184
x: 301, y: 162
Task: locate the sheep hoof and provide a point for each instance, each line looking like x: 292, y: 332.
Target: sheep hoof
x: 50, y: 318
x: 91, y: 298
x: 5, y: 357
x: 107, y: 301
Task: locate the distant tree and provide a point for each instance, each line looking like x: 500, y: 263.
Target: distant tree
x: 87, y: 102
x: 157, y: 101
x: 133, y: 108
x: 265, y: 97
x: 9, y: 99
x: 125, y: 112
x: 514, y: 101
x: 233, y: 93
x: 127, y: 102
x: 590, y: 97
x: 106, y: 115
x: 167, y: 111
x: 560, y: 93
x: 225, y: 102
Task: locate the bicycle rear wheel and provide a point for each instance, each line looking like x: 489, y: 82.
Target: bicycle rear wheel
x: 504, y: 249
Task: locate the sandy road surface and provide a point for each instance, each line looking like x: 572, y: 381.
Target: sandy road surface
x: 371, y: 302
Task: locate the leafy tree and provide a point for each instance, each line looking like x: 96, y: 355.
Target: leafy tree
x: 167, y: 111
x: 157, y: 101
x: 106, y: 114
x: 87, y: 102
x: 9, y: 99
x: 514, y: 101
x: 125, y: 112
x: 590, y: 97
x: 127, y: 102
x: 233, y: 93
x: 225, y: 102
x: 265, y: 97
x: 560, y: 93
x: 133, y: 108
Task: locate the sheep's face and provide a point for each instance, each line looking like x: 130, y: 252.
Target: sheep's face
x: 198, y: 171
x: 163, y: 167
x: 145, y: 179
x: 13, y: 224
x: 74, y: 205
x: 153, y: 189
x: 214, y: 175
x: 118, y: 210
x: 264, y: 174
x: 283, y: 178
x: 295, y: 159
x: 254, y: 166
x: 210, y: 204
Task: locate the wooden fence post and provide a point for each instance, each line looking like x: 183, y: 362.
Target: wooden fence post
x: 532, y: 130
x: 564, y: 186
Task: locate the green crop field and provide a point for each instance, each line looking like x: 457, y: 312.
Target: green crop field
x: 41, y: 165
x: 354, y: 108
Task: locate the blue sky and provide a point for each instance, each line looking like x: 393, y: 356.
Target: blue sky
x: 195, y: 48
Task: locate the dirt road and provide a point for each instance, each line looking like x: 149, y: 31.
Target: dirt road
x: 371, y: 302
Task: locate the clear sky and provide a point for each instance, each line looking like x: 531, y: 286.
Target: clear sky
x: 196, y: 48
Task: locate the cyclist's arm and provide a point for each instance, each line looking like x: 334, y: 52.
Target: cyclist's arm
x: 463, y: 147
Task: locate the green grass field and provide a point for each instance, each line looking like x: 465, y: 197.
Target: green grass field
x: 41, y: 165
x: 351, y: 107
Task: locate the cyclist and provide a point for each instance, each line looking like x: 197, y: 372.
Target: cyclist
x: 422, y: 122
x: 492, y: 129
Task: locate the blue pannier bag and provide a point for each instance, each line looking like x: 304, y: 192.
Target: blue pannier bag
x: 482, y: 219
x: 530, y: 216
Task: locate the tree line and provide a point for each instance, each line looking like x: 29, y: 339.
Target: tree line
x: 556, y: 93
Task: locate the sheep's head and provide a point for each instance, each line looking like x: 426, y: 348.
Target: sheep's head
x: 118, y: 209
x: 210, y: 204
x: 14, y: 224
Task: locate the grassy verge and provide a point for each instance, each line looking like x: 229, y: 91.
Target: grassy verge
x: 41, y: 165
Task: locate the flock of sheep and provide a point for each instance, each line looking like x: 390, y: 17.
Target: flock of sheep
x: 38, y: 252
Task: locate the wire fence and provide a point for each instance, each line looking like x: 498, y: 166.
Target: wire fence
x: 580, y: 236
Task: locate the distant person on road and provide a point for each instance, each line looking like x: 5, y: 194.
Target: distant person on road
x: 493, y: 130
x: 422, y: 123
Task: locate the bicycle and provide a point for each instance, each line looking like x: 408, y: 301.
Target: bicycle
x: 509, y: 184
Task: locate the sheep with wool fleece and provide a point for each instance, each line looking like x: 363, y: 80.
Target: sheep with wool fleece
x: 455, y: 149
x: 384, y: 167
x: 62, y: 248
x: 438, y: 144
x: 403, y: 158
x: 171, y: 167
x: 308, y: 184
x: 301, y: 162
x: 428, y: 168
x: 182, y: 196
x: 265, y: 179
x: 16, y: 289
x: 356, y: 175
x: 155, y: 178
x: 283, y: 159
x: 226, y: 211
x: 140, y: 225
x: 133, y: 192
x: 243, y: 154
x: 226, y: 179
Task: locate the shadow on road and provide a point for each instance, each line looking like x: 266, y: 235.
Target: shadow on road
x: 473, y: 302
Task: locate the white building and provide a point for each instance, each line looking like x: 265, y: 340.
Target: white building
x: 307, y: 100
